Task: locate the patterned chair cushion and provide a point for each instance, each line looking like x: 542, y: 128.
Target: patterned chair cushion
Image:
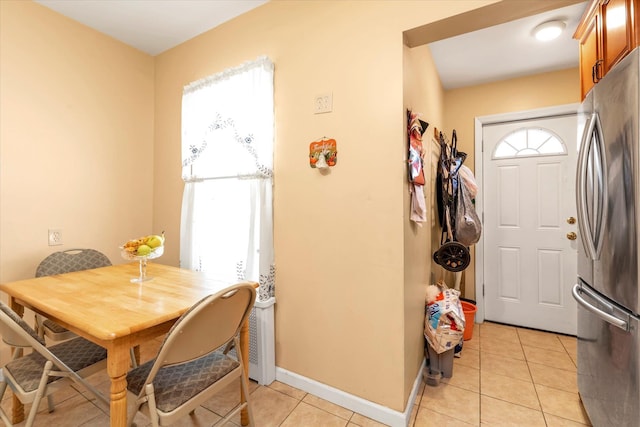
x: 71, y: 260
x: 54, y: 327
x: 77, y: 354
x: 174, y: 385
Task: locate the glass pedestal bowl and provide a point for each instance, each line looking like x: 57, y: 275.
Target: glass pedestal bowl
x: 155, y: 253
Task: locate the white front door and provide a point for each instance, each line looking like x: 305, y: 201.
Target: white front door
x: 529, y: 206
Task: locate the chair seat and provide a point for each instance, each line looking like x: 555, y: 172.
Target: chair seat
x: 175, y: 385
x: 77, y: 354
x: 54, y: 327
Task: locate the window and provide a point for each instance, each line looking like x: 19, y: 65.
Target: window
x: 227, y: 159
x: 529, y: 142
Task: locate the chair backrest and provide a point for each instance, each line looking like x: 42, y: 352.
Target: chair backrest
x: 209, y: 324
x: 15, y: 331
x: 71, y: 260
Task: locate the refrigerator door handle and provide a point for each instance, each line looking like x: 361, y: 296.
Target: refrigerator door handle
x: 600, y: 163
x: 609, y: 318
x: 592, y: 153
x: 583, y: 221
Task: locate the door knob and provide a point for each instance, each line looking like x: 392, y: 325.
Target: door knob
x: 572, y: 236
x: 571, y: 220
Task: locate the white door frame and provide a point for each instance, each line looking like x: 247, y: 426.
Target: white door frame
x: 491, y: 119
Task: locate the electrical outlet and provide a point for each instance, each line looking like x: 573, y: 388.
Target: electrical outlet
x: 55, y: 236
x: 323, y: 103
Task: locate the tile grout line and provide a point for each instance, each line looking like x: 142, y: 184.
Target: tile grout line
x: 535, y: 389
x: 291, y: 412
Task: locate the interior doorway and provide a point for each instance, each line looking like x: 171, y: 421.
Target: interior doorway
x: 526, y: 260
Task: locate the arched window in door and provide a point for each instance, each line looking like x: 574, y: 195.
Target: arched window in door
x: 529, y: 142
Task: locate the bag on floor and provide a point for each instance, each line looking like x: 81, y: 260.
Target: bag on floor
x: 444, y: 320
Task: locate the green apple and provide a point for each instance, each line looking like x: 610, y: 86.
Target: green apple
x: 154, y: 241
x: 143, y: 250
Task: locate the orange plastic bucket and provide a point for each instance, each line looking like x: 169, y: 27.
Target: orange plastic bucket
x: 469, y: 319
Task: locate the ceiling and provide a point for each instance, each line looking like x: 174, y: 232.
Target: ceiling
x: 495, y: 53
x: 507, y: 50
x: 152, y: 26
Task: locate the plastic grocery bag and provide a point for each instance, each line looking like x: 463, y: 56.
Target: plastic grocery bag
x: 444, y: 320
x: 468, y: 227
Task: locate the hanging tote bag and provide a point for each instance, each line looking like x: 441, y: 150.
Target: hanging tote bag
x: 467, y: 225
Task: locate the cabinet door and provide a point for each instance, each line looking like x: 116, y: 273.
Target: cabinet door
x: 617, y: 31
x: 636, y: 22
x: 589, y: 55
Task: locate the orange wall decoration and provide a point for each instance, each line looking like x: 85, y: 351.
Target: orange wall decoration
x: 326, y: 148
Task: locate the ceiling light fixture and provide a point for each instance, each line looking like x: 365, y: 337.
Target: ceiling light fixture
x: 548, y: 30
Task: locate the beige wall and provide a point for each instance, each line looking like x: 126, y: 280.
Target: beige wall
x: 76, y: 138
x: 462, y: 106
x: 345, y: 314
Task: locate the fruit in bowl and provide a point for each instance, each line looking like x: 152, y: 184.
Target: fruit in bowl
x: 151, y: 246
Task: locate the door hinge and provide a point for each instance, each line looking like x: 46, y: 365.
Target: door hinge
x: 483, y: 289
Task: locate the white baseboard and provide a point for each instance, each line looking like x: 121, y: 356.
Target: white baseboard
x: 369, y: 409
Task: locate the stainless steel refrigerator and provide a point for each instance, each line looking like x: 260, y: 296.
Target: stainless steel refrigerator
x: 608, y: 206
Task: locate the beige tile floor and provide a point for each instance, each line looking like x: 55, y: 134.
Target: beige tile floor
x: 507, y: 376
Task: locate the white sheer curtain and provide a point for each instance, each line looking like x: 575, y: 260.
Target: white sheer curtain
x: 227, y: 160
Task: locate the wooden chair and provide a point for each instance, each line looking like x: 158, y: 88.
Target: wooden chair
x: 191, y: 366
x: 47, y: 369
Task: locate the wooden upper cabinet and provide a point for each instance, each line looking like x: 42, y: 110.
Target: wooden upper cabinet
x: 589, y: 54
x: 617, y: 31
x: 608, y: 31
x: 636, y: 21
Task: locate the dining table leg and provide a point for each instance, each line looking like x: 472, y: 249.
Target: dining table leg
x: 118, y: 360
x: 17, y: 408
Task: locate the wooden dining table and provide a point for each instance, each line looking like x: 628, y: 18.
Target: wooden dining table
x: 105, y: 307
